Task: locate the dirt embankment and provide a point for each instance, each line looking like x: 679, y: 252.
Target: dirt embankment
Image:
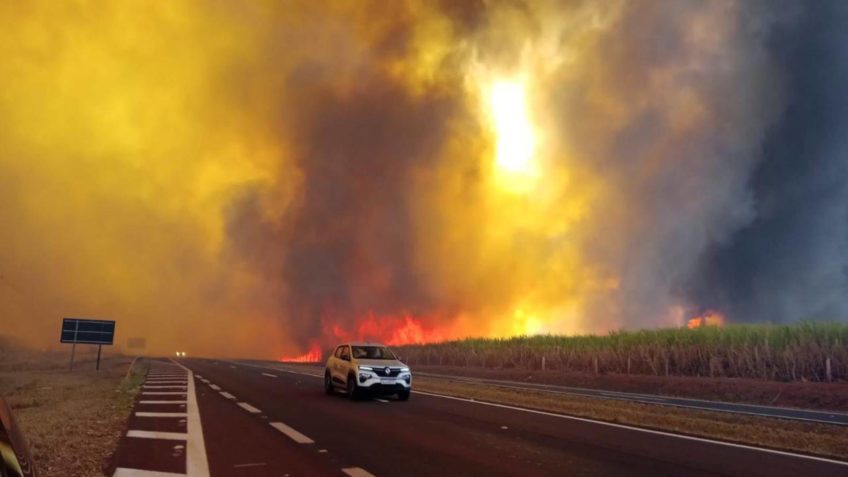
x: 72, y: 420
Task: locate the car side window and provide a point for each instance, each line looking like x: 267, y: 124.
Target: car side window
x: 345, y: 353
x: 338, y: 353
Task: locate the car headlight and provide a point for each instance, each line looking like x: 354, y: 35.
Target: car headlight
x: 404, y: 370
x: 366, y: 368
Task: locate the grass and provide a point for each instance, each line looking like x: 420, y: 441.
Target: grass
x: 805, y: 351
x: 72, y: 420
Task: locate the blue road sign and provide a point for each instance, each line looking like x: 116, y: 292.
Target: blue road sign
x: 79, y: 330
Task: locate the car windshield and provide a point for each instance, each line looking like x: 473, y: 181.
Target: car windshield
x: 372, y: 352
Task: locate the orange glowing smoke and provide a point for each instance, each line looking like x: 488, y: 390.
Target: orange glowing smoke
x: 313, y: 356
x: 709, y: 318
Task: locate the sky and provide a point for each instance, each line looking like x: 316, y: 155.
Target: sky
x: 267, y: 178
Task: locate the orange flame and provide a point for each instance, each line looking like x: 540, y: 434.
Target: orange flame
x: 390, y: 330
x: 313, y: 356
x: 708, y: 318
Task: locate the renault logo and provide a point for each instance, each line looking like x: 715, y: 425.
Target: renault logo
x: 387, y: 370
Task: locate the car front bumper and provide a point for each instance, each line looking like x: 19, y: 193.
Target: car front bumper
x: 370, y: 382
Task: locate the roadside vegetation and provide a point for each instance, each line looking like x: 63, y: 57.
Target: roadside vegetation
x: 72, y: 420
x: 806, y: 351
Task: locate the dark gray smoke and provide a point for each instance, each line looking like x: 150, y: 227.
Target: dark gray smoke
x: 791, y: 262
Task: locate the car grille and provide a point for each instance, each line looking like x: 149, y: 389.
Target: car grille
x: 382, y: 372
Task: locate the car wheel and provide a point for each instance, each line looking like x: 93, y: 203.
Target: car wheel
x: 351, y: 388
x: 403, y: 395
x: 328, y: 383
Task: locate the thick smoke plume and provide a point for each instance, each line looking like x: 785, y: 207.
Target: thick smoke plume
x: 238, y: 179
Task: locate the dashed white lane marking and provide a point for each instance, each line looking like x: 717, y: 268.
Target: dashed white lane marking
x: 198, y: 376
x: 293, y: 434
x: 215, y: 387
x: 357, y: 472
x: 122, y: 472
x: 269, y: 375
x: 504, y: 427
x: 173, y: 436
x: 247, y: 407
x: 163, y: 393
x: 197, y: 464
x: 227, y: 395
x: 160, y: 414
x: 181, y: 403
x: 233, y: 367
x: 380, y: 400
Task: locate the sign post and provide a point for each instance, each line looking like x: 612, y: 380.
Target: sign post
x: 79, y: 330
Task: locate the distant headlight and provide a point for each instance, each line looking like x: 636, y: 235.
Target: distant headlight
x: 366, y: 368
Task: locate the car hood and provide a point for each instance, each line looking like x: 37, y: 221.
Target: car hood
x: 380, y: 363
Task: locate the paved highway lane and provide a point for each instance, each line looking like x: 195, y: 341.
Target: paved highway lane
x: 432, y: 435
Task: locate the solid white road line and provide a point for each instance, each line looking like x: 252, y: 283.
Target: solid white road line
x: 269, y: 375
x: 149, y: 386
x: 124, y: 472
x: 247, y: 407
x: 227, y: 395
x: 160, y: 414
x: 163, y: 393
x: 215, y: 387
x: 197, y: 464
x: 181, y: 403
x: 604, y: 423
x: 357, y: 472
x: 172, y: 436
x: 293, y: 434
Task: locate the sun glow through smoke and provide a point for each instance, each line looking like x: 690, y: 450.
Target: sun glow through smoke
x: 515, y: 143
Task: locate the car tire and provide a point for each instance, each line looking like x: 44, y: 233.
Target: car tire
x: 403, y: 395
x: 328, y: 383
x: 352, y: 392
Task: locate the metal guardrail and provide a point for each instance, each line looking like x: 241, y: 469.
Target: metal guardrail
x: 15, y: 458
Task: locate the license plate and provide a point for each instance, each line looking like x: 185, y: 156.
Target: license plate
x: 387, y: 381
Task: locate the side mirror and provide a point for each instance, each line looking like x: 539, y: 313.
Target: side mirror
x: 15, y: 459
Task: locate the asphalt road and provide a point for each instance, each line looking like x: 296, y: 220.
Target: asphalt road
x: 263, y: 421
